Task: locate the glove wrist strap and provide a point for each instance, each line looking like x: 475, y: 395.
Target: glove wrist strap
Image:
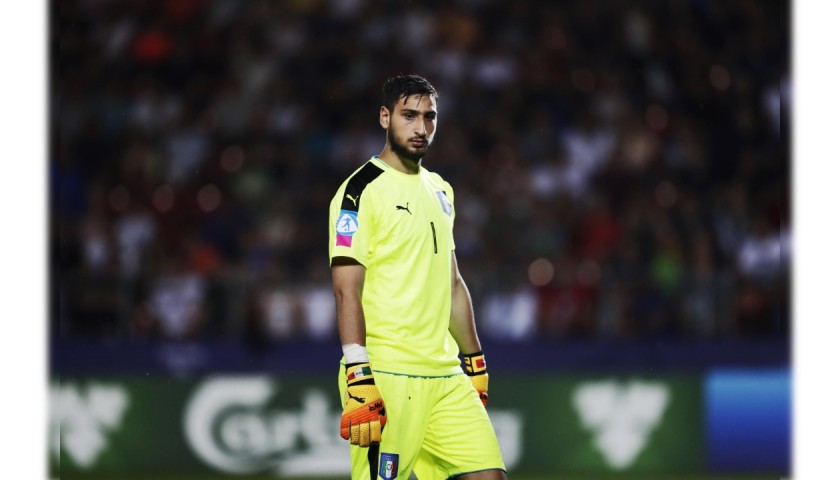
x: 474, y: 363
x: 359, y: 374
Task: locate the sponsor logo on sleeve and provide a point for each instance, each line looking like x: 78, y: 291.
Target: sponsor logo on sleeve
x: 345, y: 227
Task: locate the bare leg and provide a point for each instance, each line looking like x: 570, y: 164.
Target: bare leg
x: 483, y: 475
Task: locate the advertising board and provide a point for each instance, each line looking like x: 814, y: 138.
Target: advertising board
x: 749, y: 420
x: 250, y: 424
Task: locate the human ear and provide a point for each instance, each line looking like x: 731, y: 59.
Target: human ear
x: 384, y: 117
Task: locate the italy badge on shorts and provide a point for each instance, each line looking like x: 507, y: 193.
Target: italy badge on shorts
x: 389, y: 464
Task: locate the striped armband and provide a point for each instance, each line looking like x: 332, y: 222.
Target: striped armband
x: 359, y: 374
x: 474, y: 363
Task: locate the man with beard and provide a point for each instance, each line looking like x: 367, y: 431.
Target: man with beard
x: 404, y: 311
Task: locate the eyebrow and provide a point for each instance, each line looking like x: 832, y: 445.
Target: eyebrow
x: 417, y: 112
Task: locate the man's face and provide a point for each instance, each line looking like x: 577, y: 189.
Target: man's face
x: 411, y: 126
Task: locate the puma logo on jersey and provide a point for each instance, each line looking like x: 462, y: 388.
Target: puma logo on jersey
x: 353, y: 199
x: 400, y: 207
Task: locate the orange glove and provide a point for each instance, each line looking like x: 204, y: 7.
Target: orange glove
x: 364, y: 410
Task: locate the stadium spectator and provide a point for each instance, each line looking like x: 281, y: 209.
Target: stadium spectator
x: 173, y: 307
x: 646, y: 143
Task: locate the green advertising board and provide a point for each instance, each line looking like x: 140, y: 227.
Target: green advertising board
x: 601, y: 424
x: 287, y: 425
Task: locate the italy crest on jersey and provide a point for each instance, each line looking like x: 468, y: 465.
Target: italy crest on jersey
x: 389, y: 465
x: 345, y: 227
x: 445, y: 204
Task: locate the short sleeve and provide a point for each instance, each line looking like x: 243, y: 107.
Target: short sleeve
x: 351, y: 229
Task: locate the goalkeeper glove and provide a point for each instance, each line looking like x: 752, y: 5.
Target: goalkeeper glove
x: 364, y: 410
x: 477, y: 371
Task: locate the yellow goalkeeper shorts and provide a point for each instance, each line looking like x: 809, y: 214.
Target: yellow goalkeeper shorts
x: 436, y: 427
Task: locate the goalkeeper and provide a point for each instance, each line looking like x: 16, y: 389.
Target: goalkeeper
x: 404, y: 311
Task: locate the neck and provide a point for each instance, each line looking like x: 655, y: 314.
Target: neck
x: 402, y: 164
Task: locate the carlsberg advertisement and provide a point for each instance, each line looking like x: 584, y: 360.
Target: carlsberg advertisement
x: 288, y: 426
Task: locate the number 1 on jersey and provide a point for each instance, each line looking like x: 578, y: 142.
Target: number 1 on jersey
x: 434, y: 235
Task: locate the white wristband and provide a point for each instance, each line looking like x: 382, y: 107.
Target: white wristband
x: 355, y: 353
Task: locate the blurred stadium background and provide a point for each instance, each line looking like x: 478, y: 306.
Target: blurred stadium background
x: 622, y: 177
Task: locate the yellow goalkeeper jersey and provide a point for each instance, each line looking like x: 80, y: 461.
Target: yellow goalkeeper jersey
x: 399, y: 226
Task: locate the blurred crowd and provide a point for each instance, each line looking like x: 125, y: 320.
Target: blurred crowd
x: 621, y: 168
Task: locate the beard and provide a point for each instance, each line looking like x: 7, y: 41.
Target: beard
x: 407, y: 151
